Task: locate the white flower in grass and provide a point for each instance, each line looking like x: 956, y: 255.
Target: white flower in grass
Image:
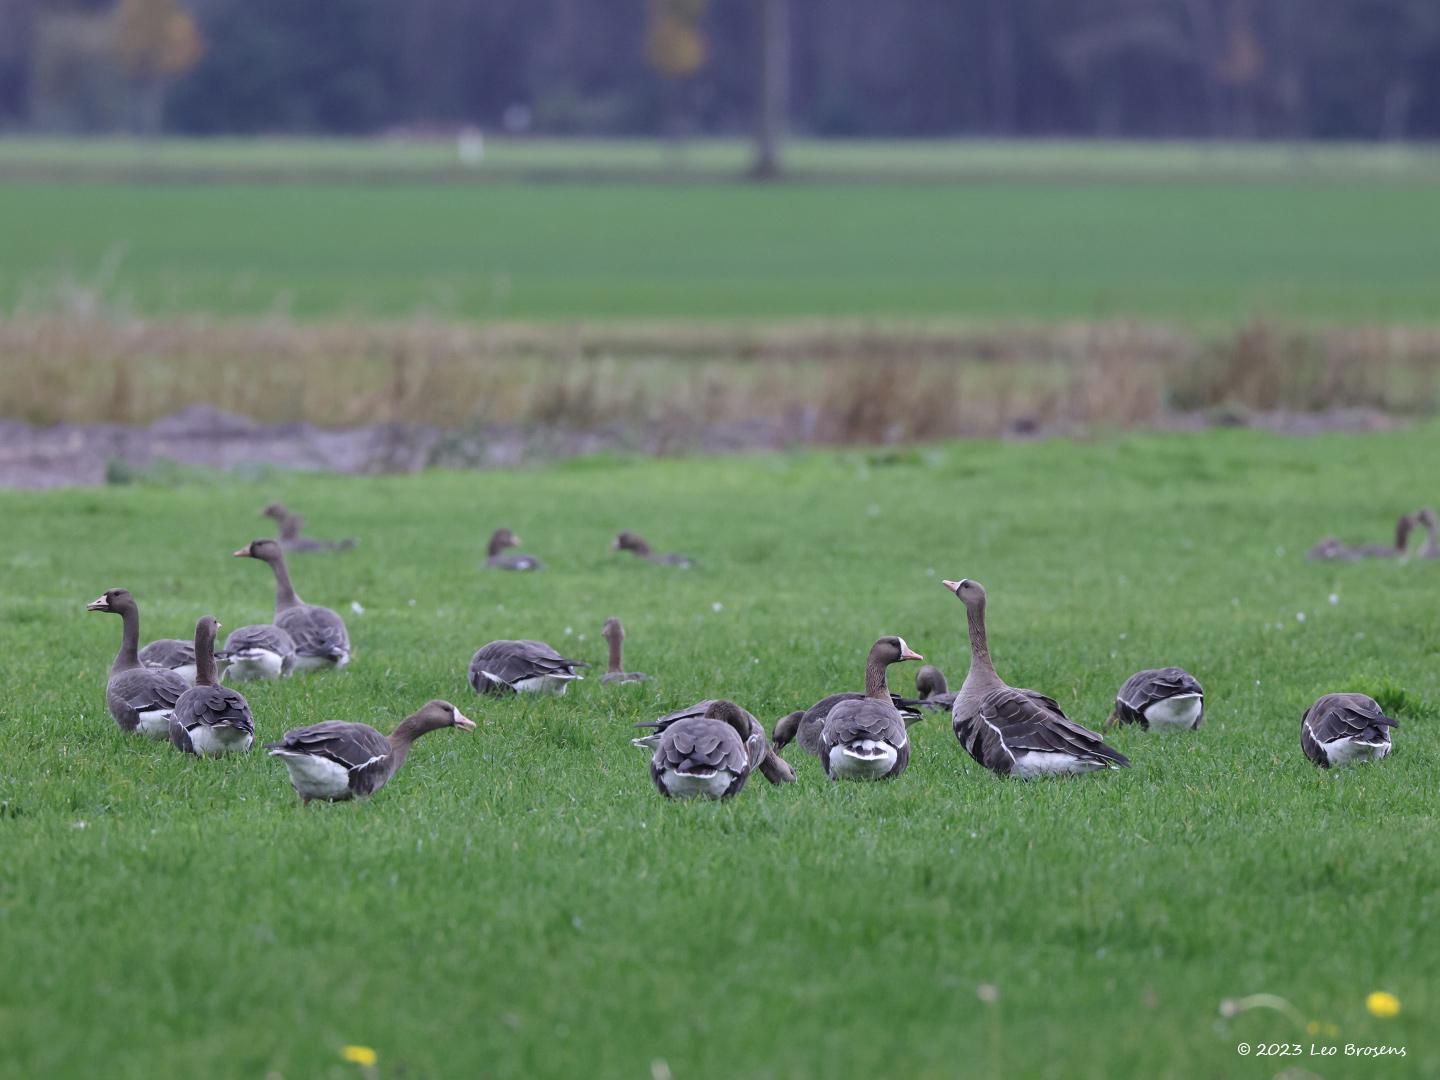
x: 569, y: 630
x: 355, y: 607
x: 988, y: 993
x: 717, y: 607
x: 1334, y: 599
x: 1299, y: 616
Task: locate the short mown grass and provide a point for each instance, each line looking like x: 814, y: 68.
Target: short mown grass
x: 520, y: 902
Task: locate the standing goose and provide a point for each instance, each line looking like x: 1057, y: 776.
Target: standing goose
x: 705, y: 757
x: 172, y: 654
x: 614, y: 635
x: 524, y: 666
x: 1427, y: 519
x: 501, y: 539
x: 336, y: 760
x: 762, y: 755
x: 290, y: 539
x: 319, y: 635
x: 1331, y: 548
x: 210, y: 718
x: 636, y: 545
x: 261, y: 651
x: 932, y: 689
x: 1162, y: 699
x: 1343, y: 728
x: 865, y: 739
x: 139, y: 698
x: 1017, y: 732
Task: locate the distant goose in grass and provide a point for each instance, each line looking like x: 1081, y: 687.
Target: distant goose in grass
x: 614, y: 635
x: 709, y: 756
x: 321, y: 640
x: 336, y: 760
x: 865, y: 739
x: 261, y: 651
x: 1160, y: 699
x: 210, y: 718
x: 521, y: 666
x: 761, y: 754
x: 500, y: 540
x: 172, y: 654
x: 290, y: 539
x: 636, y: 545
x: 1427, y: 519
x: 140, y: 698
x: 1331, y: 548
x: 932, y: 689
x: 1343, y: 728
x: 1017, y: 732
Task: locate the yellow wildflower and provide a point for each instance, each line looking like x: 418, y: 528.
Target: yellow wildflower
x: 1313, y: 1027
x: 360, y: 1055
x: 1382, y: 1004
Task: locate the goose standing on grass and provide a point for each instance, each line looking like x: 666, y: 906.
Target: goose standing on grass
x: 762, y: 755
x: 932, y: 689
x: 866, y: 739
x: 140, y: 698
x: 1331, y: 548
x: 1160, y: 699
x: 614, y: 635
x: 336, y: 760
x: 173, y: 655
x: 1343, y: 728
x: 210, y: 718
x: 1426, y: 518
x: 319, y: 635
x: 290, y: 539
x: 1017, y: 732
x: 261, y: 651
x: 500, y: 540
x: 524, y: 666
x: 705, y: 757
x: 636, y: 545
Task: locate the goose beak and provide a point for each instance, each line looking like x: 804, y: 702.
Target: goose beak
x: 97, y: 605
x: 463, y: 722
x: 243, y: 552
x: 911, y: 654
x: 951, y: 585
x: 516, y: 538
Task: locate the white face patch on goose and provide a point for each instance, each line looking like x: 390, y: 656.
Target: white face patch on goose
x: 903, y: 647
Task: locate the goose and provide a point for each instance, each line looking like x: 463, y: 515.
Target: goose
x: 636, y: 545
x: 1343, y: 728
x: 261, y: 651
x: 762, y: 755
x: 614, y: 635
x: 173, y: 654
x: 320, y: 637
x: 805, y: 725
x: 709, y: 756
x: 501, y: 539
x: 290, y: 539
x: 336, y: 760
x: 932, y: 689
x: 1331, y: 548
x: 1017, y: 732
x: 210, y: 718
x: 1160, y: 699
x: 865, y: 739
x: 1427, y: 519
x: 140, y: 698
x: 521, y: 666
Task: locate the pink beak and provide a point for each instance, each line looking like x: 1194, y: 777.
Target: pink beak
x: 463, y: 722
x: 951, y: 585
x: 911, y: 654
x: 243, y: 552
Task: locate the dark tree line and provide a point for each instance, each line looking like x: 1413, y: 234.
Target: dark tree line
x: 1222, y: 68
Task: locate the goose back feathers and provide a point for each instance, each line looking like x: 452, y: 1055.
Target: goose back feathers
x: 865, y: 738
x: 1343, y: 728
x: 523, y: 666
x: 209, y: 718
x: 319, y: 634
x: 757, y: 748
x: 1162, y: 699
x: 261, y: 651
x: 172, y: 653
x: 140, y: 699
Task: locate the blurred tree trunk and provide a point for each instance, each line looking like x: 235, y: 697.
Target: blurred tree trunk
x: 772, y: 91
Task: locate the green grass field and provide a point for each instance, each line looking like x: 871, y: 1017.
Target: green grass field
x: 520, y: 901
x: 989, y: 232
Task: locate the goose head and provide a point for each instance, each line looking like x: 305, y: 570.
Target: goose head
x: 971, y: 593
x: 630, y: 541
x: 265, y: 550
x: 786, y: 728
x: 728, y: 712
x: 438, y: 714
x: 929, y: 681
x: 892, y: 649
x: 612, y: 630
x: 275, y: 511
x: 206, y: 627
x: 116, y: 600
x: 501, y: 539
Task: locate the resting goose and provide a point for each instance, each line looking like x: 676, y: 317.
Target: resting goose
x: 290, y: 539
x: 1331, y: 548
x: 172, y: 654
x: 501, y: 539
x: 319, y: 635
x: 762, y: 755
x: 139, y: 698
x: 614, y: 635
x: 1343, y: 728
x: 865, y: 739
x: 521, y: 666
x: 261, y: 651
x: 932, y: 689
x: 709, y: 756
x: 210, y: 718
x: 804, y: 726
x: 1017, y: 732
x: 1162, y: 699
x: 636, y: 545
x: 336, y: 760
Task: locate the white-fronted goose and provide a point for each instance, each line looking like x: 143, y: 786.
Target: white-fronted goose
x: 1427, y: 519
x: 614, y: 635
x: 1331, y: 548
x: 762, y: 755
x: 636, y: 545
x: 866, y: 739
x: 1160, y: 699
x: 932, y: 689
x: 210, y: 718
x: 320, y: 637
x: 172, y: 654
x: 261, y: 651
x: 502, y: 539
x: 524, y: 666
x: 290, y: 539
x: 140, y: 698
x: 1343, y: 728
x: 804, y: 726
x: 1017, y: 732
x: 336, y: 760
x: 708, y: 756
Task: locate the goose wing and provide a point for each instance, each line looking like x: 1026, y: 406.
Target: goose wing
x: 351, y: 745
x: 148, y: 689
x: 696, y: 743
x: 266, y: 636
x: 1343, y: 716
x: 508, y: 662
x: 1011, y: 721
x: 316, y: 631
x: 1145, y: 688
x: 168, y: 653
x: 867, y: 718
x: 213, y: 706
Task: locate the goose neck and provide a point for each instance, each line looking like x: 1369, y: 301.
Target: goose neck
x: 615, y: 646
x: 285, y: 597
x: 205, y: 655
x: 129, y: 655
x: 876, y: 684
